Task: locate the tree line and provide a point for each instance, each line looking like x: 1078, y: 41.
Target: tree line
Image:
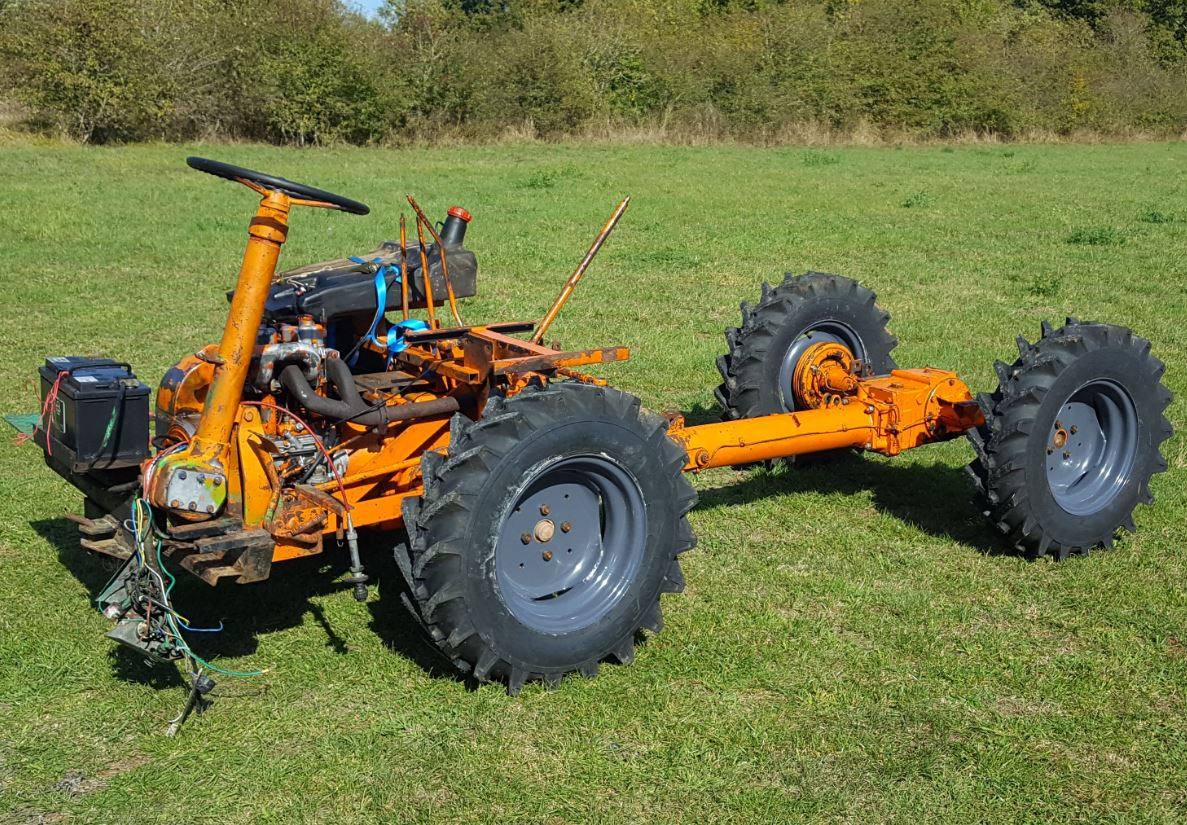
x: 318, y: 72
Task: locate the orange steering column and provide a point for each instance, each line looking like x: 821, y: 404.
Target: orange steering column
x: 267, y: 234
x: 193, y: 481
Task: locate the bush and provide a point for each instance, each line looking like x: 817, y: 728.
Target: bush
x: 315, y: 72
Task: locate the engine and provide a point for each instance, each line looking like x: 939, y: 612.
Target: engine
x: 302, y: 343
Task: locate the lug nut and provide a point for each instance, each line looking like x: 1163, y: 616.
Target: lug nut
x: 1075, y: 429
x: 547, y: 555
x: 526, y: 538
x: 1067, y: 455
x: 566, y: 527
x: 545, y: 509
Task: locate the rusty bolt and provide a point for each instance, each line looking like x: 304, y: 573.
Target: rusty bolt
x: 547, y: 555
x: 545, y: 509
x: 249, y: 416
x: 1049, y: 451
x: 193, y: 505
x: 1067, y: 455
x: 526, y: 538
x: 1058, y: 424
x: 175, y: 504
x: 566, y: 527
x: 1075, y: 429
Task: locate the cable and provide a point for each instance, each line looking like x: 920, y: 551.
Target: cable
x: 316, y: 440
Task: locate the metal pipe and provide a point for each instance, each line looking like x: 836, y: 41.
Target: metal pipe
x: 403, y: 269
x: 295, y: 382
x: 440, y: 251
x: 266, y: 235
x: 424, y: 271
x: 571, y: 284
x: 780, y: 435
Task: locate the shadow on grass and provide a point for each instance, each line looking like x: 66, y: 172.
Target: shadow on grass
x: 934, y: 498
x: 248, y: 611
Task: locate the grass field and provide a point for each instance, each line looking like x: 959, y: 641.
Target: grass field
x: 851, y: 646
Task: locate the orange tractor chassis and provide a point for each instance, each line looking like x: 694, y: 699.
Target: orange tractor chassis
x: 544, y: 511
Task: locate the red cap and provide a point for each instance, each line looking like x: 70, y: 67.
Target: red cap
x: 458, y: 212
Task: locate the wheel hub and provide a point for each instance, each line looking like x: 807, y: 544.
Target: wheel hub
x: 558, y: 580
x: 1092, y: 447
x: 544, y: 530
x: 834, y: 332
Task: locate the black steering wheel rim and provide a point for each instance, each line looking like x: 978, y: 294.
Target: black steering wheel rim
x: 288, y: 187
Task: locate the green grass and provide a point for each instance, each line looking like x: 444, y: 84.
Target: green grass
x: 849, y: 647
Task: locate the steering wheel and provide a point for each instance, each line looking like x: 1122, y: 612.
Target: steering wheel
x: 262, y: 183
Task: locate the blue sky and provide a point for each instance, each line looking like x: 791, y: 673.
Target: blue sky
x: 368, y: 7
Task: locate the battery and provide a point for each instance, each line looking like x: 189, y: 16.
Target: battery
x: 99, y: 415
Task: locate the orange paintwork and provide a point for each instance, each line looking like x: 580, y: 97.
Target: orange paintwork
x: 885, y: 414
x: 376, y: 468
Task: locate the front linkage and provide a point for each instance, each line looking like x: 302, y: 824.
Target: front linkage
x: 545, y: 511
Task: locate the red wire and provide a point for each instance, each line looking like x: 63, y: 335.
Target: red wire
x: 46, y: 409
x: 316, y: 439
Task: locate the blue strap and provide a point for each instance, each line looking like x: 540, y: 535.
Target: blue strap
x: 380, y: 300
x: 395, y: 334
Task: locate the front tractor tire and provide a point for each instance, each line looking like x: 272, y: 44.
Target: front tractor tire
x: 544, y: 539
x: 1071, y: 439
x: 757, y: 371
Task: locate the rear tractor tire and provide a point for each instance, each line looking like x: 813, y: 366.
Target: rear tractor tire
x: 1071, y: 439
x: 544, y: 539
x: 788, y: 319
x: 757, y: 372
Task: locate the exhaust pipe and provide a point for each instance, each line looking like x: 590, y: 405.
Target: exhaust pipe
x: 352, y: 407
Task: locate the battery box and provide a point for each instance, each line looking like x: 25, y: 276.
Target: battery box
x: 99, y: 415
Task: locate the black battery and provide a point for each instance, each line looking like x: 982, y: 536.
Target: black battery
x: 98, y: 416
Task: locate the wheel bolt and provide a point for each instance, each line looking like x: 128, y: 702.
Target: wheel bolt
x: 1067, y: 455
x: 1058, y: 424
x: 1049, y: 451
x: 547, y: 555
x: 566, y: 527
x: 545, y: 509
x: 526, y: 538
x: 1075, y: 429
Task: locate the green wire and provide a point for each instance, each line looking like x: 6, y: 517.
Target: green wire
x: 205, y: 663
x: 165, y: 570
x: 177, y: 630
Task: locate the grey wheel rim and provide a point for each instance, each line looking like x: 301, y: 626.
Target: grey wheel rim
x: 571, y: 543
x: 834, y: 332
x: 1092, y: 447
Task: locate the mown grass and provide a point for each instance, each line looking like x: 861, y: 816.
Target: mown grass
x: 850, y: 646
